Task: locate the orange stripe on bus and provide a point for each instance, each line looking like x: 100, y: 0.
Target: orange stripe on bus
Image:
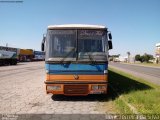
x: 80, y: 77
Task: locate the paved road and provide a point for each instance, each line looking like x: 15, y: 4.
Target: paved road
x: 22, y: 91
x: 151, y: 74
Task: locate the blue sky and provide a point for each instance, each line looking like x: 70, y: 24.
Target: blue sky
x: 135, y: 24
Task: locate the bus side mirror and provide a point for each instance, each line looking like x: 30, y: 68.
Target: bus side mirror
x: 110, y: 44
x: 110, y: 36
x: 42, y: 44
x: 110, y: 41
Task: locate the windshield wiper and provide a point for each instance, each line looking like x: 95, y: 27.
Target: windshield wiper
x: 91, y: 58
x: 73, y: 49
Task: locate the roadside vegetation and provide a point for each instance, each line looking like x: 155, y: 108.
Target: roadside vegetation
x: 144, y: 58
x: 130, y: 91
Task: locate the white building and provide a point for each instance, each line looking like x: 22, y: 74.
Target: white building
x: 123, y: 59
x: 157, y: 52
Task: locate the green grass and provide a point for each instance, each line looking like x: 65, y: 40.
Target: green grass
x: 122, y: 107
x: 142, y: 95
x: 146, y: 101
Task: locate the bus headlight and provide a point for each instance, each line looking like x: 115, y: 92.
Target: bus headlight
x: 94, y: 87
x: 47, y: 71
x: 105, y: 71
x: 98, y: 87
x: 102, y: 87
x: 55, y: 87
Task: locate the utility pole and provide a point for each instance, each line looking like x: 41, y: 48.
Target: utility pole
x: 128, y: 53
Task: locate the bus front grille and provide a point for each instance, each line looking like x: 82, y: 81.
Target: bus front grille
x: 75, y: 89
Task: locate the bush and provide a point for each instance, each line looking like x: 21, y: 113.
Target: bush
x: 144, y: 58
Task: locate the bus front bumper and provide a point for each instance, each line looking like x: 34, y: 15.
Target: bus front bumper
x: 76, y: 88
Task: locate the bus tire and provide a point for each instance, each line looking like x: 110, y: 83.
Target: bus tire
x: 13, y: 62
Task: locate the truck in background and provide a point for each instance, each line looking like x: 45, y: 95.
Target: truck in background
x: 25, y: 55
x: 39, y: 56
x: 11, y: 56
x: 8, y: 55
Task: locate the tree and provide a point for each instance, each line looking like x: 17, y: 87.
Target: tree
x: 144, y: 58
x: 147, y: 57
x: 138, y: 57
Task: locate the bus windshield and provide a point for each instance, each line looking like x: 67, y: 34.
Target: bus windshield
x: 90, y: 41
x: 91, y: 45
x: 61, y: 43
x: 66, y: 45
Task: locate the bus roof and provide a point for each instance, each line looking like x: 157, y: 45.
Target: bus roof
x: 76, y: 26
